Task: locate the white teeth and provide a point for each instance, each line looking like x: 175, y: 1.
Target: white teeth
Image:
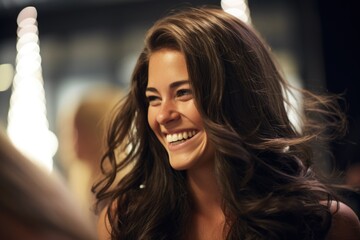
x: 179, y: 136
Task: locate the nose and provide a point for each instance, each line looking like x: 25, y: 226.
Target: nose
x: 167, y: 113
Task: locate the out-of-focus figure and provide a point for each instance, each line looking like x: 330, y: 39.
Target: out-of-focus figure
x: 82, y: 140
x: 35, y: 204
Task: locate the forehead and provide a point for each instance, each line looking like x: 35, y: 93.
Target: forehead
x: 166, y: 66
x: 166, y: 57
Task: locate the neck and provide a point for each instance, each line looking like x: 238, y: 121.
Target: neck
x: 204, y: 190
x: 207, y: 218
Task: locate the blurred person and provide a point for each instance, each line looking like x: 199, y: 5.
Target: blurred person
x: 35, y: 205
x: 213, y: 152
x: 82, y: 140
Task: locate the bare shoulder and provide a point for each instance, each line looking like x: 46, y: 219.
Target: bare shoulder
x: 345, y: 223
x: 103, y: 226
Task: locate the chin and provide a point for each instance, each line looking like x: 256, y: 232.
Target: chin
x: 180, y: 164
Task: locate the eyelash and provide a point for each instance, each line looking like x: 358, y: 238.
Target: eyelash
x: 152, y: 98
x: 179, y: 94
x: 183, y: 92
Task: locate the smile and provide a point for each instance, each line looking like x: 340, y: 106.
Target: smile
x: 180, y: 137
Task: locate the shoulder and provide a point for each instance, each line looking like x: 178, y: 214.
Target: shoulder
x: 345, y: 223
x: 103, y: 226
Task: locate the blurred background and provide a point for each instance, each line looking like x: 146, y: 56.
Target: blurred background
x: 86, y: 50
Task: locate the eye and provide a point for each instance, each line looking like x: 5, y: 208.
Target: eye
x: 153, y: 100
x: 184, y: 94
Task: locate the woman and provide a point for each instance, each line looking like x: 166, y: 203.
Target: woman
x: 213, y: 153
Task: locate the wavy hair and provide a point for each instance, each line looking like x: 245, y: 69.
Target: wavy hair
x: 263, y: 162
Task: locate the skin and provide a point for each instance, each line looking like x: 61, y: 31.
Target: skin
x: 103, y: 226
x: 172, y: 110
x: 345, y: 223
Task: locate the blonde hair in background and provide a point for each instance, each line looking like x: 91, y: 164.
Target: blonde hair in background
x: 82, y: 130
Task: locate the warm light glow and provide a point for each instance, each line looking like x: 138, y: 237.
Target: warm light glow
x: 27, y: 29
x: 28, y: 126
x: 29, y: 37
x: 237, y: 8
x: 240, y: 9
x: 27, y: 22
x: 294, y: 107
x: 28, y: 12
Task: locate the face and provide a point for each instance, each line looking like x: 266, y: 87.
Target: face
x: 172, y: 113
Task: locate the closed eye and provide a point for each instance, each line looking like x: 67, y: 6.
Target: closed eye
x: 184, y: 94
x: 153, y: 100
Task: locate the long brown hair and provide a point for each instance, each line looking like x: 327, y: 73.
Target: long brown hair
x: 263, y: 162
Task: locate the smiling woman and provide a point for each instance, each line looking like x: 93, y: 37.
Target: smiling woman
x: 172, y: 114
x: 213, y: 152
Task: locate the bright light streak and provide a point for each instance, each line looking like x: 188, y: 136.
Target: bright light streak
x: 240, y: 9
x: 237, y: 8
x: 27, y: 29
x: 27, y: 122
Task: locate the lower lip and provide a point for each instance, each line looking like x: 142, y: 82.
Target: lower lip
x: 175, y: 147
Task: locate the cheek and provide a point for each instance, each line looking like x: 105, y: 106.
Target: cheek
x: 198, y: 121
x: 195, y: 115
x: 150, y: 118
x: 152, y: 121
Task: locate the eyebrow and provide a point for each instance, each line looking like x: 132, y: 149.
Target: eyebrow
x: 172, y: 85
